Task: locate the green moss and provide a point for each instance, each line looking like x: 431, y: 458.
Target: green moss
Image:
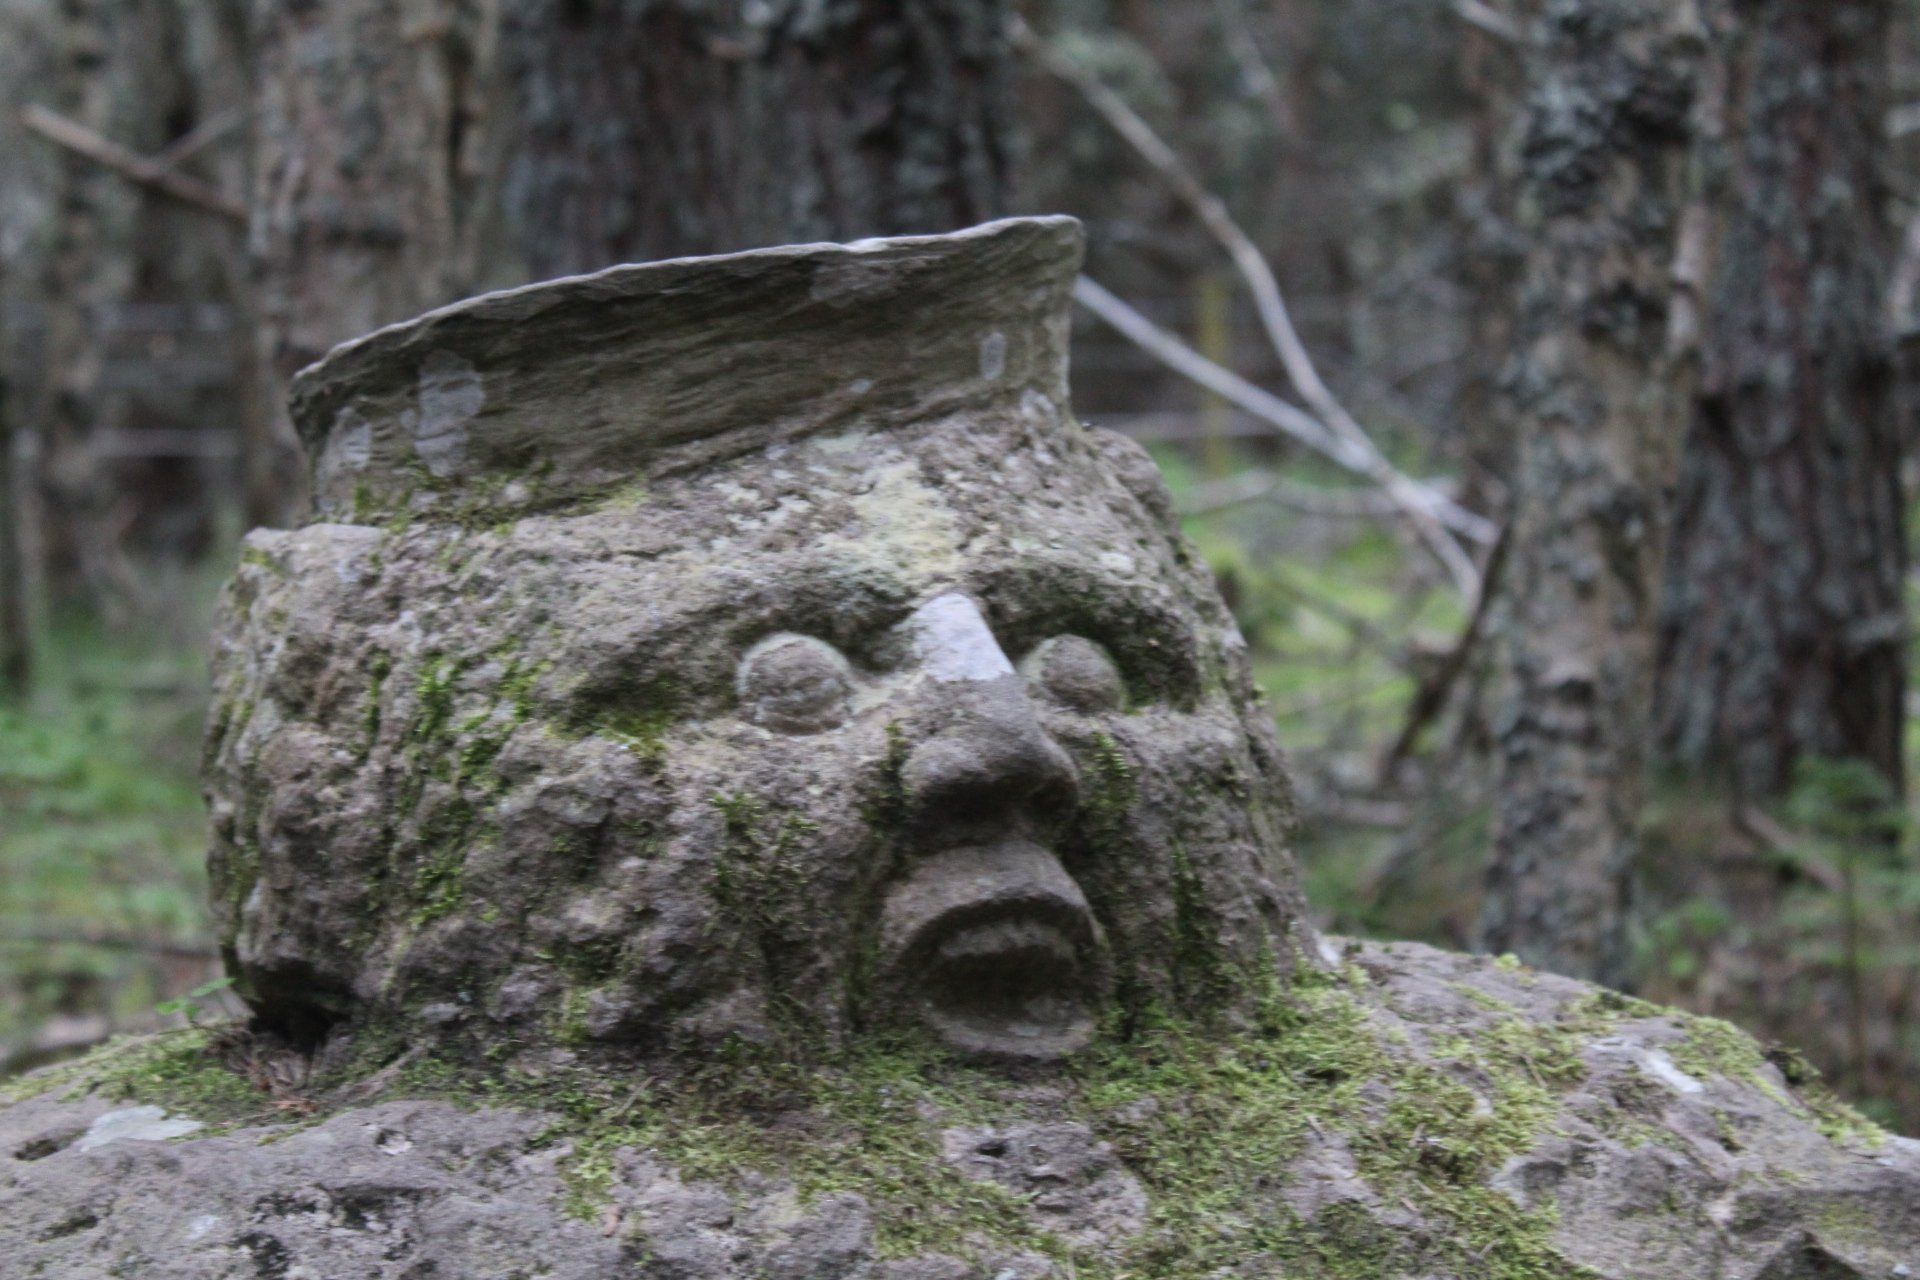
x: 1712, y: 1047
x: 1111, y: 787
x: 1201, y: 970
x: 756, y: 879
x: 378, y: 669
x: 261, y: 560
x: 1716, y: 1048
x: 482, y: 738
x: 517, y: 685
x: 886, y: 808
x: 439, y: 887
x: 183, y: 1071
x: 434, y: 694
x: 642, y: 731
x: 1206, y: 1119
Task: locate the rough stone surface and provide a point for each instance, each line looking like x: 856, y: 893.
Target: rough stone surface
x: 677, y: 817
x: 648, y: 679
x: 1641, y: 1168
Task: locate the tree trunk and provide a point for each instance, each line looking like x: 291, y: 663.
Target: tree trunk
x: 16, y: 643
x: 1783, y: 632
x: 1599, y: 391
x: 409, y: 155
x: 127, y: 283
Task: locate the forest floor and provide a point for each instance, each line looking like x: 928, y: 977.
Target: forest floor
x: 1772, y: 920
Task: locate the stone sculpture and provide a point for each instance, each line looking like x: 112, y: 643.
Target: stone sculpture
x: 641, y: 687
x: 727, y: 718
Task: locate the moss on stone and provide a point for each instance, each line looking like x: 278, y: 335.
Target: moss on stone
x: 186, y: 1072
x: 1208, y: 1119
x: 1110, y: 785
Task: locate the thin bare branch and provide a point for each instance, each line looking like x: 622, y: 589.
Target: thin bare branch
x: 1271, y: 409
x: 1430, y: 699
x: 1269, y: 487
x: 134, y: 167
x: 1268, y: 301
x: 197, y: 139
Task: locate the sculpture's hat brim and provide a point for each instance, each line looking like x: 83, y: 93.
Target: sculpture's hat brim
x: 572, y: 385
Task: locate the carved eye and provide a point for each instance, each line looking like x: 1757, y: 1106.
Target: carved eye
x: 1076, y: 673
x: 795, y: 684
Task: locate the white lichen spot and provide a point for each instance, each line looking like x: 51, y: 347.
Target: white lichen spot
x: 350, y: 446
x: 859, y: 387
x: 1039, y: 408
x: 1657, y: 1064
x: 952, y: 642
x: 1118, y: 562
x: 450, y: 397
x: 906, y: 524
x: 389, y: 1141
x: 993, y: 356
x: 135, y: 1124
x: 845, y: 443
x: 202, y: 1226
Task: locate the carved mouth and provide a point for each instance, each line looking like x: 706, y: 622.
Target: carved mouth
x: 1014, y: 986
x: 995, y: 949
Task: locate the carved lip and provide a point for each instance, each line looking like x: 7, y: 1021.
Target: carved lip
x: 994, y: 947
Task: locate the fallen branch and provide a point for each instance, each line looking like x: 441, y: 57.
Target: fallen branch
x: 1268, y: 301
x: 1271, y: 409
x: 152, y: 174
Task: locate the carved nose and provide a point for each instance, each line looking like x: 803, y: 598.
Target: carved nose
x: 992, y: 759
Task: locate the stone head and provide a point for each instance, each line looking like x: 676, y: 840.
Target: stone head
x: 744, y: 647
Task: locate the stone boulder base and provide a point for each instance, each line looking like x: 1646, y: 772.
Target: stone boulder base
x: 1410, y: 1114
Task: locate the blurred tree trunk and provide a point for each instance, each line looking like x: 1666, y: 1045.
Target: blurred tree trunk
x: 76, y: 272
x: 410, y: 154
x: 1486, y: 263
x: 1783, y: 631
x: 127, y: 284
x: 16, y: 642
x: 1600, y: 392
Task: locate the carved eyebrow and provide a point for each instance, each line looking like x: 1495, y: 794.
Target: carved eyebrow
x: 1152, y: 639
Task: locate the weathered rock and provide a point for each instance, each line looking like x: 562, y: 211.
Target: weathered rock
x: 649, y: 678
x: 736, y: 783
x: 1415, y: 1115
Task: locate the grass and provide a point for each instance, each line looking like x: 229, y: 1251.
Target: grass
x: 102, y: 831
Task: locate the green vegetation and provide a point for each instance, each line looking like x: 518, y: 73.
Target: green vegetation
x: 102, y: 832
x: 1204, y: 1117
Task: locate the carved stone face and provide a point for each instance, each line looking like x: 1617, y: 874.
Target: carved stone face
x: 911, y: 709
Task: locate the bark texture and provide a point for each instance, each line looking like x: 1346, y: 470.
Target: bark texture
x: 1599, y: 392
x: 1782, y: 631
x: 409, y: 155
x: 122, y: 284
